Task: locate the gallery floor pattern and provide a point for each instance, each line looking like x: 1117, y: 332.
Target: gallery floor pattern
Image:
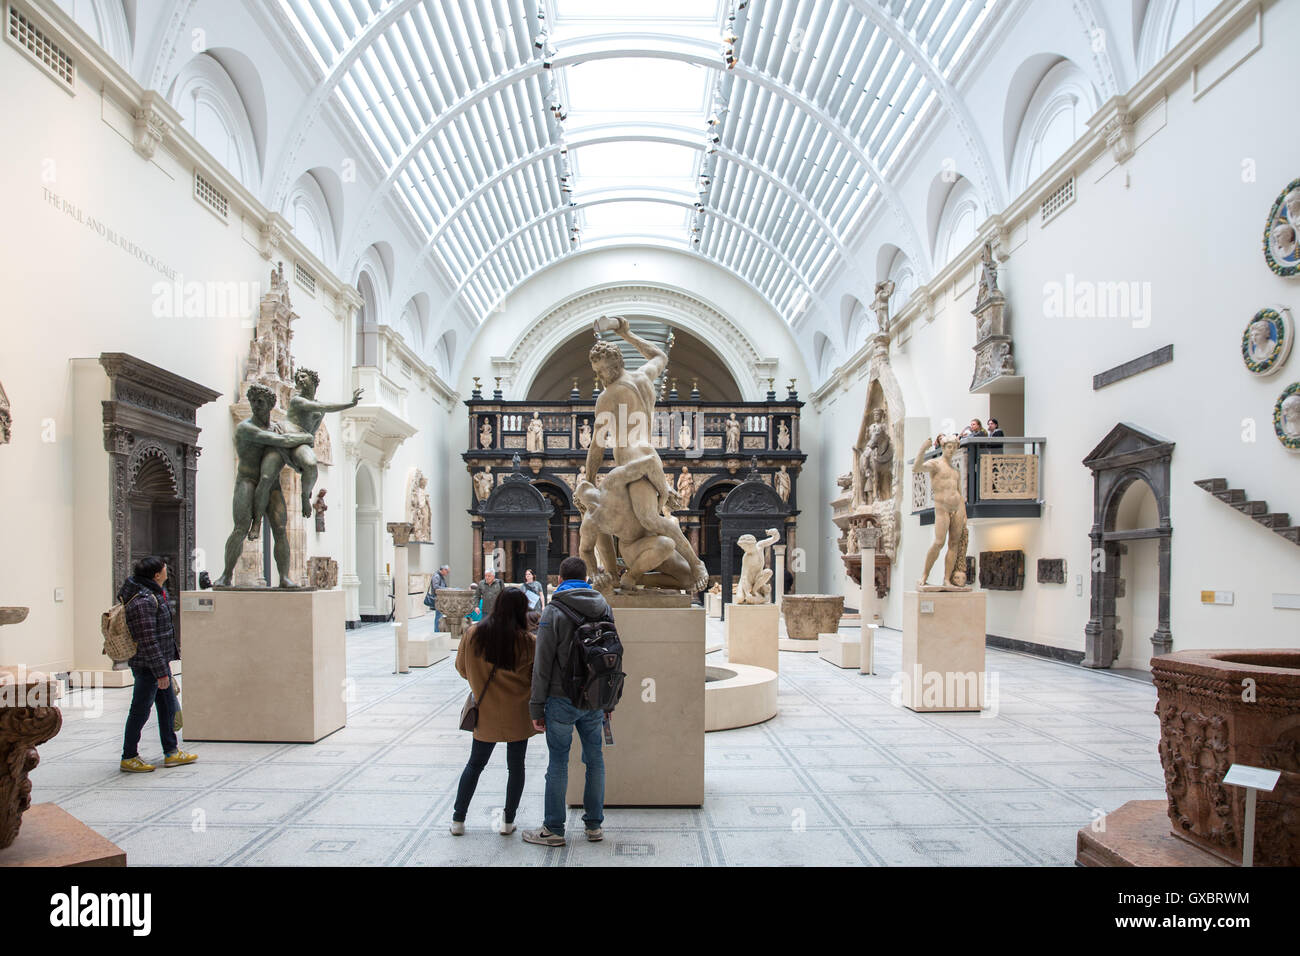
x: 839, y: 777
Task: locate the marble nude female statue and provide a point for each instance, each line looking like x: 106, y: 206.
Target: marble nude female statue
x: 754, y: 585
x: 302, y: 418
x: 949, y: 515
x: 623, y: 416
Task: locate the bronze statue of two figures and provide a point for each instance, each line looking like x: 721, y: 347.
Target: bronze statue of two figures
x: 263, y: 450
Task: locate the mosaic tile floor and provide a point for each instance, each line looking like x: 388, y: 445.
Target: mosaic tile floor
x: 839, y: 777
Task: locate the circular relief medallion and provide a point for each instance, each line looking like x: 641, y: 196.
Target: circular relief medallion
x: 1286, y: 417
x: 1282, y: 232
x: 1266, y: 342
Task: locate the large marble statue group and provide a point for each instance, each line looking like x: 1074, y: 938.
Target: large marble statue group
x: 623, y: 514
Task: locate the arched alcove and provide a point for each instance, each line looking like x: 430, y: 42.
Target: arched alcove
x: 214, y: 111
x: 690, y: 359
x: 1049, y: 103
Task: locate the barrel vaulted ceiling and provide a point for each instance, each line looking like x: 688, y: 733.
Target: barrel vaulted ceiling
x: 755, y: 133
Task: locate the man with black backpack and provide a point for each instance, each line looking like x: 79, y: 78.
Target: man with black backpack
x: 577, y: 681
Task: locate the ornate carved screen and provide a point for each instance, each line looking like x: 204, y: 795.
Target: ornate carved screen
x: 151, y: 435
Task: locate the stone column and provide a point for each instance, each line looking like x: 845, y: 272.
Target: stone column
x: 476, y: 559
x: 778, y: 572
x: 348, y: 519
x: 868, y: 604
x: 401, y: 532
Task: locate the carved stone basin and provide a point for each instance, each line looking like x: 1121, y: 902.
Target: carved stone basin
x: 455, y: 603
x: 807, y: 615
x: 1217, y: 708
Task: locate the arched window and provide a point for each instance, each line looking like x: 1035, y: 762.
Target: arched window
x: 959, y: 224
x: 444, y: 354
x: 105, y: 22
x: 823, y: 354
x: 309, y: 214
x: 1056, y: 116
x: 412, y: 328
x: 214, y: 114
x: 367, y: 322
x: 904, y: 278
x: 1165, y: 23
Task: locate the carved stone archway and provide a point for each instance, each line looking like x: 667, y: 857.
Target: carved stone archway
x: 151, y: 435
x: 517, y: 511
x: 1127, y: 454
x: 734, y: 346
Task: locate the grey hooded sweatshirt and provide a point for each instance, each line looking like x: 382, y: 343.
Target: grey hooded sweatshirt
x: 554, y: 633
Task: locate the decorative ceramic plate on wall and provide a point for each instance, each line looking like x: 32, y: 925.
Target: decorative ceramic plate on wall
x: 1266, y: 343
x: 1286, y: 417
x: 1282, y: 233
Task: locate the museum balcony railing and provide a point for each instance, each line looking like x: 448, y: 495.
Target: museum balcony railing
x: 1002, y: 477
x: 687, y: 429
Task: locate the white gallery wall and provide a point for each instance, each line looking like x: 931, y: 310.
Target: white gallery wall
x: 75, y: 191
x: 1179, y: 225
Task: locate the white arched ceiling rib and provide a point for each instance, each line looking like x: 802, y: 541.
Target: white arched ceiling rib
x: 902, y: 34
x: 1100, y: 41
x: 350, y: 52
x: 677, y: 48
x: 504, y: 244
x: 597, y: 136
x: 480, y: 80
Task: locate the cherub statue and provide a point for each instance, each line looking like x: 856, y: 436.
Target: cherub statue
x: 754, y: 585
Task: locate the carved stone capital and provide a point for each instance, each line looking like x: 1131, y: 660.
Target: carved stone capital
x: 152, y: 124
x: 26, y: 721
x: 401, y: 532
x: 272, y: 235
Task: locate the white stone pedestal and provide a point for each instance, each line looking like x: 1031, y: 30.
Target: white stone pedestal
x: 713, y: 604
x: 658, y: 755
x: 840, y: 650
x: 753, y: 633
x: 943, y: 650
x: 264, y: 665
x: 425, y: 650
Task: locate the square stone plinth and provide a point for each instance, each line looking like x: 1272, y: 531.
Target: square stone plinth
x: 840, y: 650
x: 1137, y: 834
x: 753, y: 633
x: 713, y: 604
x: 426, y: 650
x: 658, y: 755
x: 264, y: 665
x: 50, y: 836
x: 943, y: 650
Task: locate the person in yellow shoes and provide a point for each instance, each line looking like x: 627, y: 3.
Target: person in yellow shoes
x: 149, y: 619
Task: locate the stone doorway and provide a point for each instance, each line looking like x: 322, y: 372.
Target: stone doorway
x: 1126, y: 455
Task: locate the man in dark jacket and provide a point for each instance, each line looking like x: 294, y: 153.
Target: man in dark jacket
x: 149, y: 619
x: 555, y: 715
x: 488, y: 590
x: 441, y: 579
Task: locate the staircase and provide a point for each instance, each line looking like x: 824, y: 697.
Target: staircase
x: 1277, y: 522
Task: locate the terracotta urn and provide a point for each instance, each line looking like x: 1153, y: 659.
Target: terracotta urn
x: 28, y: 718
x: 1217, y: 708
x: 807, y: 615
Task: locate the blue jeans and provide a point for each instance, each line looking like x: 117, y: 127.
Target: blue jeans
x: 561, y: 720
x: 145, y: 697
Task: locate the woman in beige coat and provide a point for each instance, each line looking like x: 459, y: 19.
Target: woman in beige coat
x: 496, y: 657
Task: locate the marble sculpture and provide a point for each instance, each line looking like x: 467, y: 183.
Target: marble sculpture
x: 949, y: 516
x: 623, y: 515
x: 755, y: 583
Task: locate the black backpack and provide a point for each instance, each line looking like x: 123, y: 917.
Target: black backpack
x: 594, y: 679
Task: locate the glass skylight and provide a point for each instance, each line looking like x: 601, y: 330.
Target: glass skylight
x: 615, y: 142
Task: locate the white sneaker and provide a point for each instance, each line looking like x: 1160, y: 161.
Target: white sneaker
x: 506, y: 828
x: 457, y: 827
